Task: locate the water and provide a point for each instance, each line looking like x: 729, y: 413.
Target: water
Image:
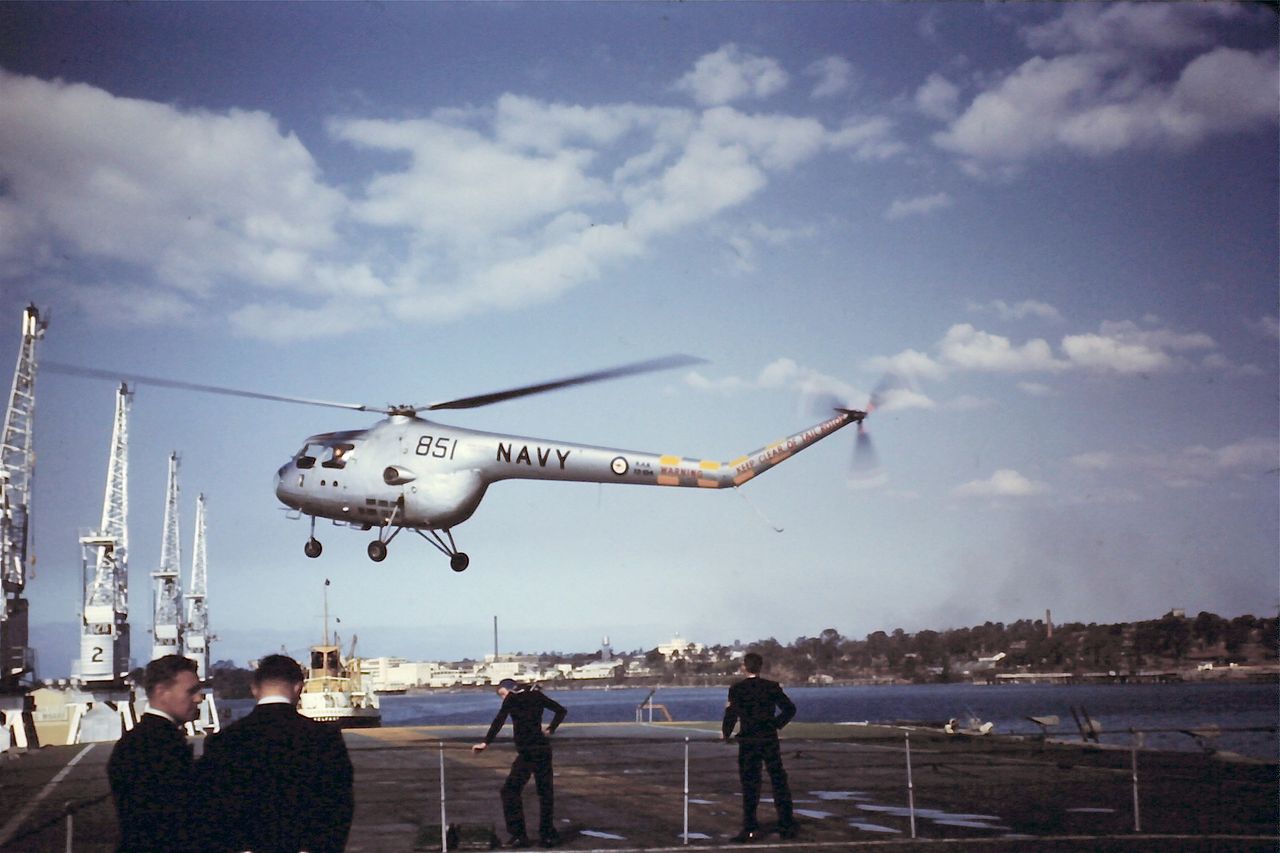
x: 1117, y: 707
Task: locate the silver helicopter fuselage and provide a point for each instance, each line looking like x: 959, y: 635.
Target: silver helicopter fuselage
x: 410, y: 472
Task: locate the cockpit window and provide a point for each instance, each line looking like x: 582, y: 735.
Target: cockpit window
x: 306, y: 457
x: 338, y: 454
x: 331, y: 449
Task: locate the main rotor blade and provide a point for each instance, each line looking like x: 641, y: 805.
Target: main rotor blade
x: 664, y: 363
x: 116, y: 376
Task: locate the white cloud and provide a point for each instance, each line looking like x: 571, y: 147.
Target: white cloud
x: 449, y: 189
x: 1035, y: 389
x: 744, y: 241
x: 918, y: 206
x: 726, y: 385
x: 527, y: 123
x: 834, y: 75
x: 1094, y: 460
x: 869, y: 138
x: 1108, y: 91
x: 731, y: 74
x: 1267, y: 325
x: 280, y: 321
x: 477, y: 210
x: 1129, y: 26
x: 778, y: 141
x: 909, y: 363
x: 1197, y: 465
x: 1124, y: 347
x: 899, y: 399
x: 199, y: 198
x: 784, y: 374
x: 1019, y: 310
x: 938, y: 97
x: 1005, y: 483
x: 967, y: 348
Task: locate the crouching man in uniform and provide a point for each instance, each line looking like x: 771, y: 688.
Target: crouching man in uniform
x: 525, y: 706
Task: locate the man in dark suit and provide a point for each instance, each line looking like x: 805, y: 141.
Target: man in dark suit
x: 533, y: 758
x: 277, y: 781
x: 151, y: 769
x: 751, y: 706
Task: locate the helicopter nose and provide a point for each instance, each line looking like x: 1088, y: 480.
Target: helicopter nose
x: 280, y: 481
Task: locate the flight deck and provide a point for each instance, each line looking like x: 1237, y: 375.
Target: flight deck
x: 633, y: 787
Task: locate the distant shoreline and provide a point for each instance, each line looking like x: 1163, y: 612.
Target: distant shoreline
x: 1263, y: 674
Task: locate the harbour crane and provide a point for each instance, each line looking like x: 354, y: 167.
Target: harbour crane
x: 166, y: 626
x: 104, y: 707
x: 17, y: 462
x: 197, y: 634
x: 104, y: 639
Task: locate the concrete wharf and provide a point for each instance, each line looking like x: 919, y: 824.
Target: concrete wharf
x: 622, y: 787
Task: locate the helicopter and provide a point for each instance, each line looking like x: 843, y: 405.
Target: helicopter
x: 409, y: 473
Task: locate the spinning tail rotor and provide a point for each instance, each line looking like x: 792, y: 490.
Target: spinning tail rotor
x: 865, y: 467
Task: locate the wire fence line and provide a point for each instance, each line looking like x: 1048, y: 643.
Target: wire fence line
x: 446, y: 775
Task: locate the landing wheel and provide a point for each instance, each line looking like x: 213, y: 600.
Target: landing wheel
x: 377, y: 551
x: 313, y: 548
x: 459, y: 562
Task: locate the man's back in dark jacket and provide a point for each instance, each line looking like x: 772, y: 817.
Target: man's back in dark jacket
x: 752, y: 702
x: 525, y: 708
x: 278, y: 782
x: 152, y: 773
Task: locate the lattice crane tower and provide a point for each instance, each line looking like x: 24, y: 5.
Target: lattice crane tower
x: 104, y: 642
x: 166, y: 625
x: 197, y: 633
x: 17, y: 461
x: 198, y: 637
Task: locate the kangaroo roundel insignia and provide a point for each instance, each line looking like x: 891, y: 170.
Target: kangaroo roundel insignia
x: 619, y: 465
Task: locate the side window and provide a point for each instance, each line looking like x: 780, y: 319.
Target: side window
x: 338, y: 456
x: 306, y: 457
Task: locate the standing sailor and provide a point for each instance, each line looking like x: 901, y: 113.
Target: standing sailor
x: 751, y: 706
x: 151, y: 769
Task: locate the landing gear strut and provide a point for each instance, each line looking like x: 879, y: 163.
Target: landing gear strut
x: 458, y: 561
x: 313, y: 547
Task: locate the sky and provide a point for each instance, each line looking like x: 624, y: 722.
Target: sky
x: 1055, y: 227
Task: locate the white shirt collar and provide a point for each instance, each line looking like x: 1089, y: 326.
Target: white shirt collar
x: 160, y: 713
x: 275, y: 700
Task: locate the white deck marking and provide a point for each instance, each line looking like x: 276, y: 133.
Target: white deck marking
x: 17, y: 820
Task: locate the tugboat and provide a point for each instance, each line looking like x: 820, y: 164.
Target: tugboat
x: 335, y: 691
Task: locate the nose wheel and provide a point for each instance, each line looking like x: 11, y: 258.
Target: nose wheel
x: 313, y: 548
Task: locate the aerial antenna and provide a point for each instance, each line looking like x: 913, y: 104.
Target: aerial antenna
x: 763, y: 517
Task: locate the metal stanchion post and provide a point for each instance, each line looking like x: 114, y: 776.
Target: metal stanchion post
x: 444, y: 821
x: 686, y: 790
x: 911, y: 792
x: 1137, y: 818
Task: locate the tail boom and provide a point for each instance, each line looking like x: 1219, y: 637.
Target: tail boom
x: 705, y: 474
x: 510, y: 457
